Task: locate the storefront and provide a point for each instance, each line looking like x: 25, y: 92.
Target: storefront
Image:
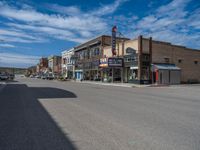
x: 91, y: 70
x: 68, y: 71
x: 131, y: 68
x: 166, y: 74
x: 79, y: 75
x: 111, y: 69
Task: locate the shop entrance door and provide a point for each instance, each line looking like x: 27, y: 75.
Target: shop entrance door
x: 117, y: 74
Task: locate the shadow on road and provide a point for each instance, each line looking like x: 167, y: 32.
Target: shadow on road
x: 24, y: 122
x: 8, y: 81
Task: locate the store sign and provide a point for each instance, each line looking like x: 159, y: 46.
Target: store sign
x: 115, y: 62
x: 103, y: 62
x: 130, y: 50
x: 114, y: 31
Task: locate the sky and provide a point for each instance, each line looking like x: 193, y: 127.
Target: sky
x: 31, y: 29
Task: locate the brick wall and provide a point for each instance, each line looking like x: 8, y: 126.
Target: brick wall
x: 183, y: 57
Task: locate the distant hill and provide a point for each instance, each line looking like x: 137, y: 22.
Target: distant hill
x: 13, y: 70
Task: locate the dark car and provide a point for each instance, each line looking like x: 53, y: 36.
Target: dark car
x: 11, y: 76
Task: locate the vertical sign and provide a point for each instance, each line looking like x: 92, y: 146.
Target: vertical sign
x: 114, y: 30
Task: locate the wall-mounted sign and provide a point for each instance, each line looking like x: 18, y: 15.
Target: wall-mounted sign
x: 130, y: 50
x: 115, y: 62
x: 114, y: 31
x: 103, y: 62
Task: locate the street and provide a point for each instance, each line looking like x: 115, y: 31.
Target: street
x: 38, y: 114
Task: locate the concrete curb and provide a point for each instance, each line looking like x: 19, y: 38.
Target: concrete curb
x: 114, y: 84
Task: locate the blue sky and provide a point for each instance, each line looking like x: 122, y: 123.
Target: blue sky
x: 30, y: 29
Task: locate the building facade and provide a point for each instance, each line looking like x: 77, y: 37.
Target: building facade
x: 67, y: 63
x: 42, y: 66
x: 149, y: 61
x: 54, y: 63
x: 88, y: 56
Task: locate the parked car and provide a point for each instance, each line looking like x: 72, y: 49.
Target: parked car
x: 38, y: 76
x: 4, y: 77
x: 50, y: 76
x: 31, y: 76
x: 44, y: 76
x: 22, y: 75
x: 11, y: 76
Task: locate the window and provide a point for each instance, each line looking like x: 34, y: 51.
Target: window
x: 166, y: 60
x: 179, y: 60
x: 64, y: 60
x: 195, y: 62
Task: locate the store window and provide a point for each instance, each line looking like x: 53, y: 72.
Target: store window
x: 132, y: 74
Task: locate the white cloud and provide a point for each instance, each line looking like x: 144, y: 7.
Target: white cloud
x: 7, y: 45
x: 77, y: 22
x: 16, y: 33
x: 108, y: 9
x: 21, y: 40
x: 74, y: 25
x: 17, y: 60
x: 171, y: 23
x: 69, y: 10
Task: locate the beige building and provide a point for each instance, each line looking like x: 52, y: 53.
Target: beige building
x: 155, y: 61
x: 67, y: 63
x: 88, y: 55
x: 54, y: 64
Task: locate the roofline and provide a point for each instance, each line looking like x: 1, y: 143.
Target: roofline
x: 68, y: 50
x: 171, y: 44
x: 97, y: 38
x: 91, y: 40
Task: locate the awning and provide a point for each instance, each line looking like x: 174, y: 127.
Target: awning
x: 165, y: 67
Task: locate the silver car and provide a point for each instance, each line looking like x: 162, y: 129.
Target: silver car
x: 4, y: 77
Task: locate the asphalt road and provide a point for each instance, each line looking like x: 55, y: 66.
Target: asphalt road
x: 37, y: 114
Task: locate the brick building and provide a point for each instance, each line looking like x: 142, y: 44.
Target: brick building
x: 67, y: 63
x: 149, y: 61
x: 42, y: 66
x: 54, y: 64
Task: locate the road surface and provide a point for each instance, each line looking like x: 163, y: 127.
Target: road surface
x: 37, y: 114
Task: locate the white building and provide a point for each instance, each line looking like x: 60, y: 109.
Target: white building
x: 67, y: 66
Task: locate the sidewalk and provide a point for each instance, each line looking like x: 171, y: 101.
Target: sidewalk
x: 131, y: 85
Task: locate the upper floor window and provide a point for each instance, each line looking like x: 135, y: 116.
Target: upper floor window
x: 179, y: 60
x: 195, y: 62
x: 97, y: 51
x: 64, y: 60
x: 166, y: 60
